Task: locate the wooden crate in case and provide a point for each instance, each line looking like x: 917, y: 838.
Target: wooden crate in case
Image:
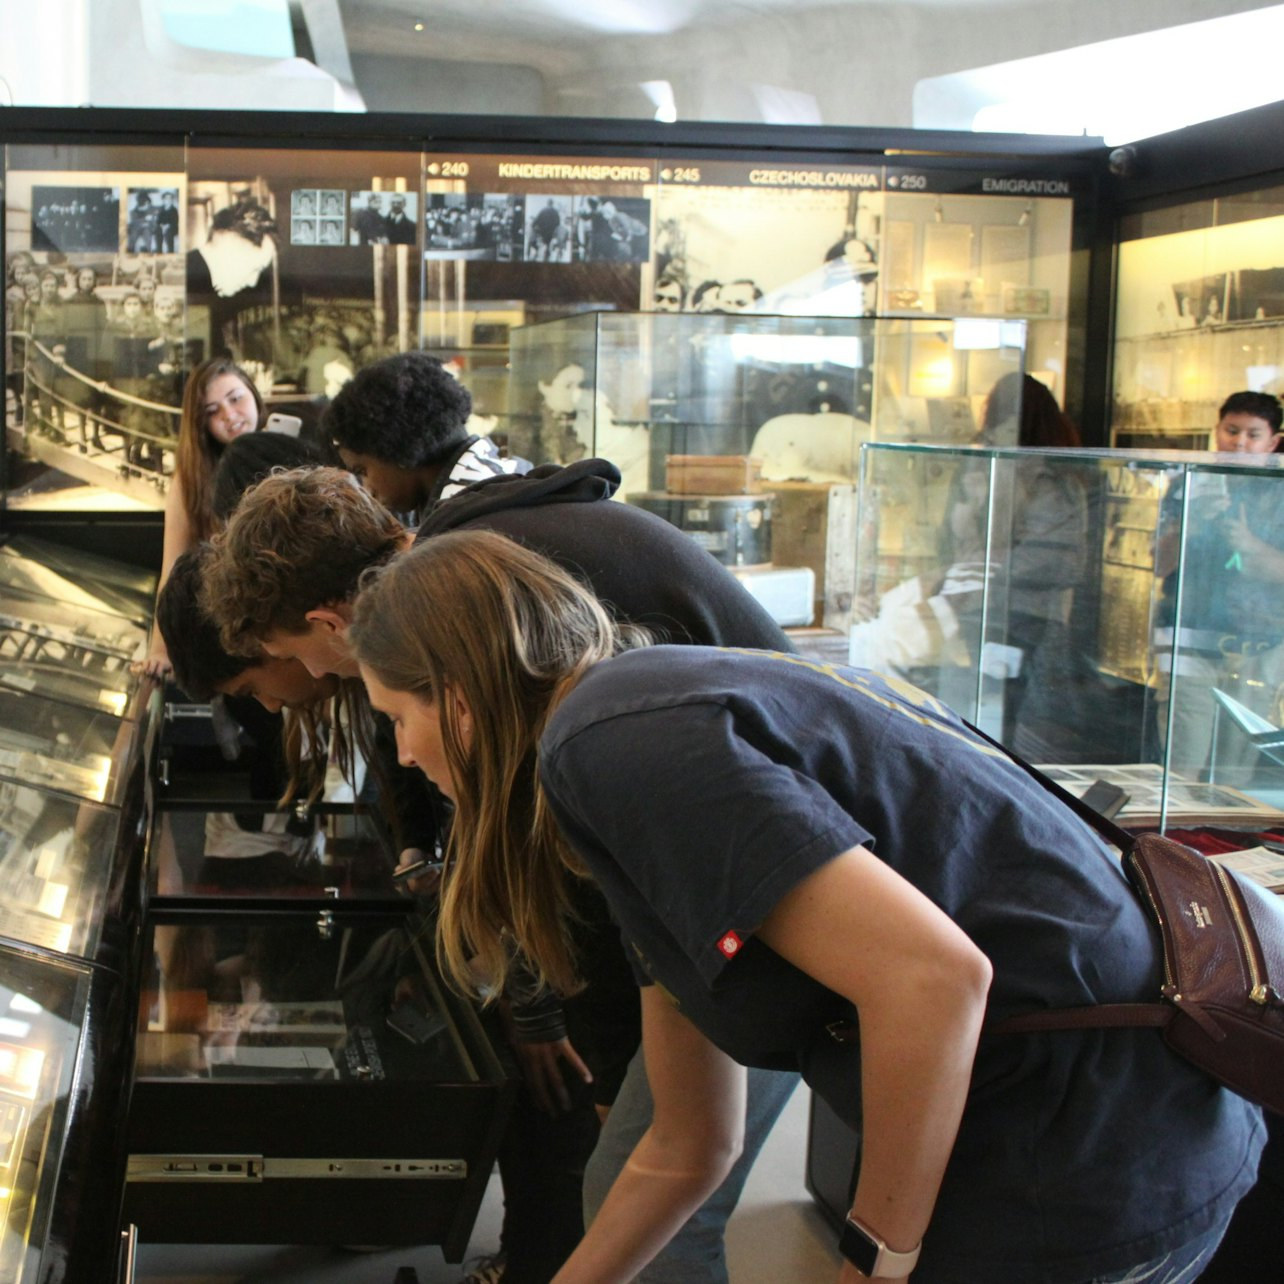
x: 712, y: 474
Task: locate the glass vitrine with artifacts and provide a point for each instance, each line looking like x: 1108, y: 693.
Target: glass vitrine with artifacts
x: 1199, y: 315
x: 72, y: 724
x: 1109, y: 615
x: 744, y: 431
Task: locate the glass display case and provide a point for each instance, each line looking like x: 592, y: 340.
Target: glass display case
x: 1199, y: 315
x: 72, y: 726
x: 326, y: 852
x: 304, y: 1077
x: 62, y: 1077
x: 744, y: 431
x: 70, y: 625
x: 1108, y: 615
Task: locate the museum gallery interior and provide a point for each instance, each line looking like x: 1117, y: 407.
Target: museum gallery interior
x: 227, y: 1046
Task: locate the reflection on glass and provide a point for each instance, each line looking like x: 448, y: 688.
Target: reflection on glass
x: 40, y: 1012
x: 53, y: 868
x: 270, y: 853
x: 72, y: 627
x: 58, y: 746
x: 113, y: 587
x: 283, y: 1001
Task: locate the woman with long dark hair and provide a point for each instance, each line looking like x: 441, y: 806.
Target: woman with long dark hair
x: 220, y: 403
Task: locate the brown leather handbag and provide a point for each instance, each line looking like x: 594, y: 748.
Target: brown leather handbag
x: 1221, y: 1005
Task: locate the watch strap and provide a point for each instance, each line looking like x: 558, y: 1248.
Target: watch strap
x: 867, y: 1252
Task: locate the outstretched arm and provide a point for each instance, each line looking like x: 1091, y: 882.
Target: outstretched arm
x: 178, y: 539
x: 919, y: 985
x: 695, y: 1136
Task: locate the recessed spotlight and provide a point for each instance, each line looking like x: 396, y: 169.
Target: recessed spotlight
x: 419, y: 26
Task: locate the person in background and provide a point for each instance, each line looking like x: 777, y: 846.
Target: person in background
x: 369, y: 224
x: 1043, y: 555
x: 668, y: 295
x: 401, y: 426
x: 399, y: 227
x: 220, y: 403
x: 1228, y: 636
x: 167, y: 224
x: 832, y: 858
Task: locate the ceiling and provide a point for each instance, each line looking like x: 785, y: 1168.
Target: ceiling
x: 846, y: 62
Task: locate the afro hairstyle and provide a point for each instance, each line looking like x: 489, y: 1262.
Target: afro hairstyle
x: 407, y: 410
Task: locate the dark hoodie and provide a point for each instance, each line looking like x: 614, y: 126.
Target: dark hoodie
x: 644, y: 569
x: 648, y: 572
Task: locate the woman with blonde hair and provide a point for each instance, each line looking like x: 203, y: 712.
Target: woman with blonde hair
x: 220, y: 403
x: 813, y: 867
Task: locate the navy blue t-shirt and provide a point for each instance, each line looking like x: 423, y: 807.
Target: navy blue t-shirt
x: 701, y: 785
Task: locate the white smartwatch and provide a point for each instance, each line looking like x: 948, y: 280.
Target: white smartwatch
x: 871, y: 1256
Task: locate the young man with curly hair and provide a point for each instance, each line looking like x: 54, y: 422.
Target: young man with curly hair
x: 401, y: 425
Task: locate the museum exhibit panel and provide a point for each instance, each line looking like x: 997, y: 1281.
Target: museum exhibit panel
x: 306, y: 249
x: 72, y: 727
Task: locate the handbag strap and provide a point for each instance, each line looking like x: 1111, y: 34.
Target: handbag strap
x: 1111, y: 832
x: 1093, y: 1016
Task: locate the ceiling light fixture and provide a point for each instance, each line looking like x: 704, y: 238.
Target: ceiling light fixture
x: 419, y: 26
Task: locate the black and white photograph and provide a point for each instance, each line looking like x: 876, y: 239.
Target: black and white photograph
x: 315, y: 216
x: 233, y: 230
x: 823, y: 255
x: 549, y: 229
x: 151, y: 220
x: 67, y: 220
x: 612, y: 229
x: 1201, y: 301
x: 486, y: 226
x: 1257, y: 293
x: 383, y: 218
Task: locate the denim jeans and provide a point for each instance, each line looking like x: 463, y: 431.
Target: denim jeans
x: 1181, y: 1266
x: 697, y: 1253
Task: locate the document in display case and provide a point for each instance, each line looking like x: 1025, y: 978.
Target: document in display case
x: 1112, y: 612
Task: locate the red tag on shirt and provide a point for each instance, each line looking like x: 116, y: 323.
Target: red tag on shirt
x: 730, y: 945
